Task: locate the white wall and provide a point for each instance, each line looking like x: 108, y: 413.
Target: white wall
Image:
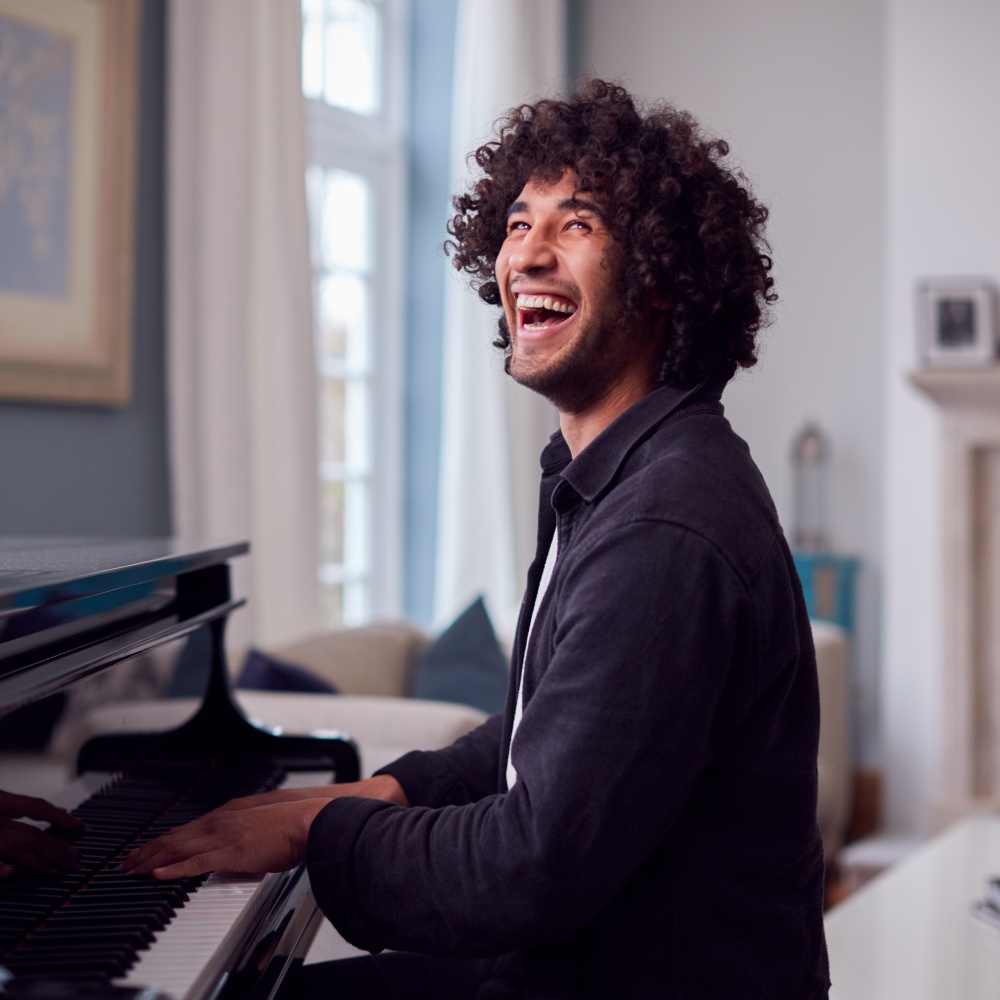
x: 797, y: 91
x: 943, y: 212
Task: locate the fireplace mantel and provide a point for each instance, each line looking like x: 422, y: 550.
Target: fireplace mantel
x: 970, y: 533
x: 966, y: 389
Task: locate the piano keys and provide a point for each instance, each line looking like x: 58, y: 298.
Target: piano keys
x: 68, y: 612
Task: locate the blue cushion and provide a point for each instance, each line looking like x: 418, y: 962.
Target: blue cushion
x: 262, y: 672
x: 465, y: 664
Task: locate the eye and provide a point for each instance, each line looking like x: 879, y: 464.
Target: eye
x: 579, y: 224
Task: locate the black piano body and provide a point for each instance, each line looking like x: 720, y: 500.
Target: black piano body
x: 71, y: 610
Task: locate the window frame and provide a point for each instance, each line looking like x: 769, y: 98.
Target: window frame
x: 375, y: 148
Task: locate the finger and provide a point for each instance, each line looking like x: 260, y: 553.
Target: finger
x: 24, y: 856
x: 169, y: 849
x: 192, y: 857
x: 196, y: 865
x: 25, y: 845
x: 268, y: 799
x: 138, y: 859
x: 29, y: 807
x: 286, y: 795
x: 61, y: 855
x: 246, y: 802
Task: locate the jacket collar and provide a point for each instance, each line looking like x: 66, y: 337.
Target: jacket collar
x: 593, y: 470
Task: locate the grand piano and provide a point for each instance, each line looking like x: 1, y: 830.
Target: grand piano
x: 72, y: 612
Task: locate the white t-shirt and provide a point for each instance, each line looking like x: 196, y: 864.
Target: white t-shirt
x: 543, y: 585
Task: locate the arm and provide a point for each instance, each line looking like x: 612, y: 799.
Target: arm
x: 463, y: 772
x: 638, y: 695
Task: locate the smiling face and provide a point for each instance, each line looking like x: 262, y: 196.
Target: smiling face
x: 558, y: 274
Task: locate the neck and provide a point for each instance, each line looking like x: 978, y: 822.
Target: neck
x: 579, y: 429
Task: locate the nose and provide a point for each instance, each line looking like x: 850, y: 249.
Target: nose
x: 534, y: 252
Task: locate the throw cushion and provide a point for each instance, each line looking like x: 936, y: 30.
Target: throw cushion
x: 465, y: 664
x: 262, y: 672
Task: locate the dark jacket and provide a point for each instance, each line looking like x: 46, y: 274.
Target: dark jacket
x: 661, y: 838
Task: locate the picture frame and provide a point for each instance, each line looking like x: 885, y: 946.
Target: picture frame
x: 958, y: 320
x: 68, y: 104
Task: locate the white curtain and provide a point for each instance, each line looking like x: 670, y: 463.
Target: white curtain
x: 507, y: 52
x: 241, y: 370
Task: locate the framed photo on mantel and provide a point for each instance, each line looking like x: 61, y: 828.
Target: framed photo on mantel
x: 958, y: 319
x: 68, y: 98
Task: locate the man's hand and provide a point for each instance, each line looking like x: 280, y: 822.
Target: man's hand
x: 28, y: 847
x: 258, y: 833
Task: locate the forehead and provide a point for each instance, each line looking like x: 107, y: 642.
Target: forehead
x: 563, y: 195
x: 539, y: 189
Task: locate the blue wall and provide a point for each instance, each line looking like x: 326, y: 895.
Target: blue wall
x: 76, y: 470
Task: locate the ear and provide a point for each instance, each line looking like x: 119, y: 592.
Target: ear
x: 660, y: 302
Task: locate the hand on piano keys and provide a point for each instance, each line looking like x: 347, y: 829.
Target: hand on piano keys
x: 25, y: 845
x: 257, y: 833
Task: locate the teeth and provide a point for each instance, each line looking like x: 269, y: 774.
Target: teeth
x: 545, y: 302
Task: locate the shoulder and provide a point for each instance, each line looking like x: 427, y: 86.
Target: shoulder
x: 689, y: 524
x: 695, y: 476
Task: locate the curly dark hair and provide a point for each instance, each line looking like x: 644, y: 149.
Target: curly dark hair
x: 690, y: 227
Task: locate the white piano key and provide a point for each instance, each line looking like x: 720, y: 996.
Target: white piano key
x: 181, y: 958
x: 186, y: 946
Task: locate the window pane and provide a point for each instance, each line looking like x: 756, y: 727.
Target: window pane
x: 312, y: 48
x: 352, y: 56
x: 315, y: 189
x: 357, y: 455
x: 332, y: 597
x: 346, y: 217
x: 332, y: 524
x: 334, y: 425
x: 356, y: 523
x: 343, y: 321
x: 356, y: 604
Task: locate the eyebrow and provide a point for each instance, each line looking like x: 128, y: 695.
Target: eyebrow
x: 566, y: 205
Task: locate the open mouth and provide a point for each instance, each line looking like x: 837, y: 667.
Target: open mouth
x: 538, y: 312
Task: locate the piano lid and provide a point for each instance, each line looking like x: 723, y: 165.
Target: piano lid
x: 35, y: 571
x: 64, y: 599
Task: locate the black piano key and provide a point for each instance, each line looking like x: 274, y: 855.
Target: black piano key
x: 39, y: 947
x: 92, y: 923
x: 111, y: 927
x: 85, y: 964
x: 17, y: 894
x: 82, y: 912
x: 110, y: 893
x: 27, y: 909
x: 126, y: 933
x: 108, y: 904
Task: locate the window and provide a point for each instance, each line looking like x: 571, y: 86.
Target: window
x: 352, y: 77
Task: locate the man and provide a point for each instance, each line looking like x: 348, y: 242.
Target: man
x: 640, y: 821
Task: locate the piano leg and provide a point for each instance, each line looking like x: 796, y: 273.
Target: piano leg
x: 220, y: 729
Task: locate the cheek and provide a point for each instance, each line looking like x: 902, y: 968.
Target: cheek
x: 501, y: 274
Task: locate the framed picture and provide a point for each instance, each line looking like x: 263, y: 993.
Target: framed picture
x: 958, y: 321
x: 68, y: 98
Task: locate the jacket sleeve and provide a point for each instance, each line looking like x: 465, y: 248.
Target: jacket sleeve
x: 463, y: 772
x: 636, y: 697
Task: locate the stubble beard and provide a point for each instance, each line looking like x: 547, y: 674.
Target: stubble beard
x: 584, y: 373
